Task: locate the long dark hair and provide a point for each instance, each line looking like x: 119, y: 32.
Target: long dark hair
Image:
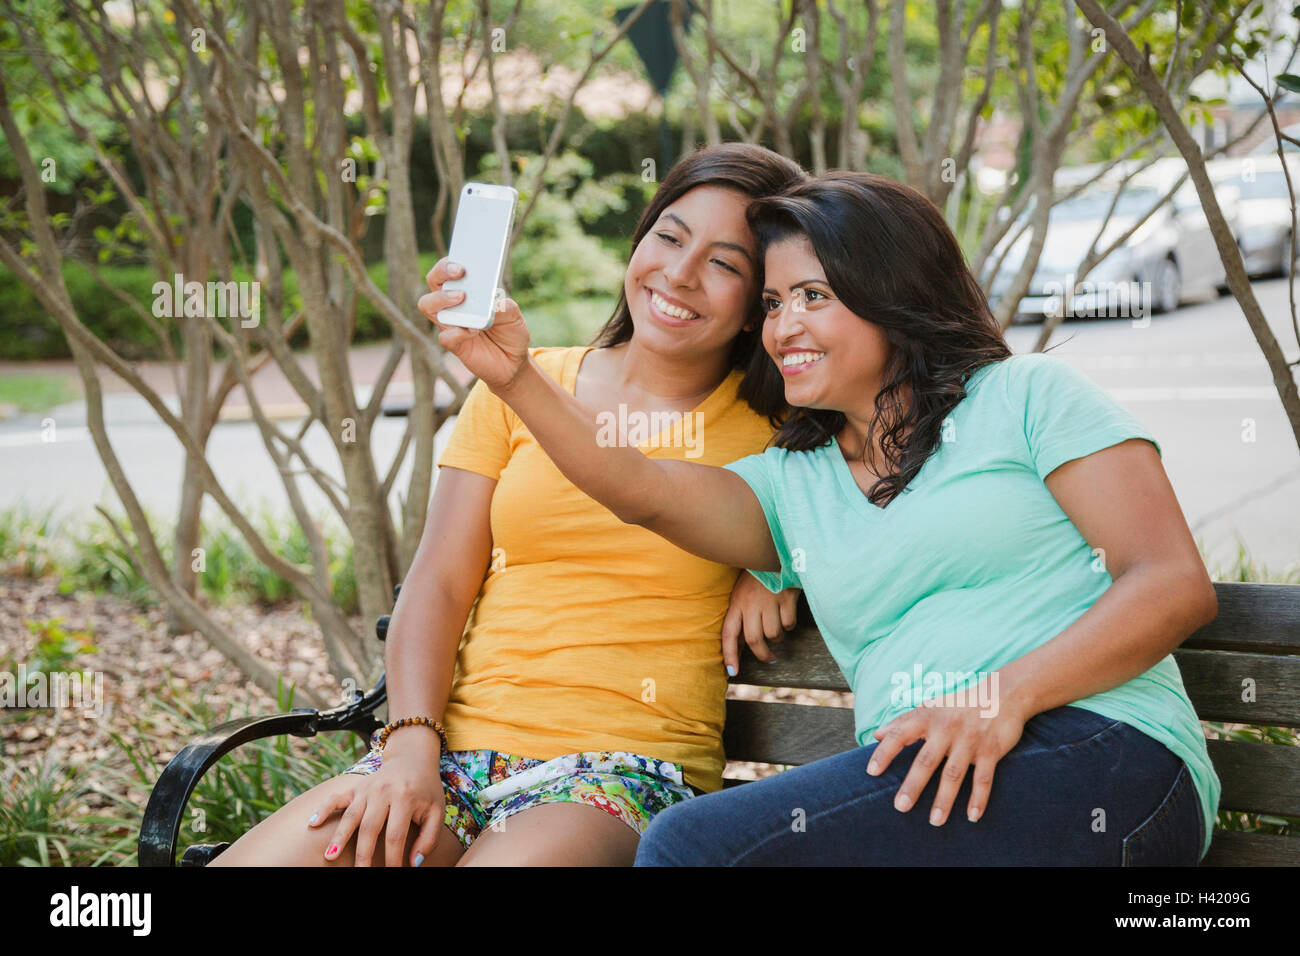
x: 890, y: 257
x: 749, y: 169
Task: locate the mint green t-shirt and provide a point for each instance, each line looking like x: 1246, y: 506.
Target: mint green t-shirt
x: 974, y: 565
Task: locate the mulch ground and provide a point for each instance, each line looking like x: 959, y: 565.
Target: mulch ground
x: 143, y: 665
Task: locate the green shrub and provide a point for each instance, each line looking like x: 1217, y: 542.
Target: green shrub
x: 553, y: 262
x: 56, y: 649
x: 40, y: 819
x: 242, y: 788
x: 233, y: 572
x: 43, y: 818
x: 97, y: 561
x: 30, y: 332
x: 89, y: 557
x: 1244, y: 568
x: 26, y: 543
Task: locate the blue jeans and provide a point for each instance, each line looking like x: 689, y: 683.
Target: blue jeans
x: 1078, y: 789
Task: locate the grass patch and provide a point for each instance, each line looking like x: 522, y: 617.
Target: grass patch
x: 37, y: 393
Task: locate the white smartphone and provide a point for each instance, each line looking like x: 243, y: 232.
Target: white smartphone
x: 479, y: 239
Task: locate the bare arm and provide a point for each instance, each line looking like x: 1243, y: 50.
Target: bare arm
x: 1122, y: 503
x: 703, y: 509
x: 433, y: 606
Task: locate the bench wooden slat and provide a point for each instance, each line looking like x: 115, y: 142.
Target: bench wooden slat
x: 1231, y: 848
x: 1258, y: 778
x: 802, y: 661
x: 785, y: 733
x: 1252, y: 617
x: 1214, y: 683
x: 1213, y: 679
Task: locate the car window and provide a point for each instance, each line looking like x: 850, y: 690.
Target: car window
x: 1093, y: 203
x: 1269, y: 185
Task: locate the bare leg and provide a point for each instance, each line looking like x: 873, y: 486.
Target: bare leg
x: 285, y: 839
x: 555, y: 834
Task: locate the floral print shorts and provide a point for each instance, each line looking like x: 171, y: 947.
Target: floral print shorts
x: 483, y: 787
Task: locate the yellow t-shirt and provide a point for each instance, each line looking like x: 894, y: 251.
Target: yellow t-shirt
x: 590, y: 634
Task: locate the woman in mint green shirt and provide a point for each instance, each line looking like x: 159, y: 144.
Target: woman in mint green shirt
x: 988, y: 543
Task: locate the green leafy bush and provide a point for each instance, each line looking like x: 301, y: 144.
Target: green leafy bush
x: 242, y: 788
x: 39, y: 823
x: 56, y: 649
x: 43, y: 809
x: 95, y: 560
x: 87, y: 556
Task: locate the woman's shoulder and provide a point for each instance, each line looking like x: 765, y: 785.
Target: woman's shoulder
x: 1033, y: 376
x: 553, y: 358
x: 1018, y: 376
x: 1030, y: 364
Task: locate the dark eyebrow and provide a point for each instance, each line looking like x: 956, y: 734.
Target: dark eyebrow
x: 801, y: 284
x: 726, y: 245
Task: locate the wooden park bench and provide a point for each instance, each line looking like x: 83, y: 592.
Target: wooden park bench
x: 1253, y: 643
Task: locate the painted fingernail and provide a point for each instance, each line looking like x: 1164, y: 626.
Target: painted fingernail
x: 873, y: 768
x: 903, y: 803
x: 936, y: 817
x: 333, y: 849
x: 731, y: 671
x: 973, y: 815
x: 314, y: 818
x: 419, y: 858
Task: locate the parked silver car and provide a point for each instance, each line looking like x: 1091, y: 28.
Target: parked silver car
x: 1169, y: 258
x: 1262, y: 215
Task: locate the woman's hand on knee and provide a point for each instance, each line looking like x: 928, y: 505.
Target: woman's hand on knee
x: 405, y: 791
x: 959, y: 729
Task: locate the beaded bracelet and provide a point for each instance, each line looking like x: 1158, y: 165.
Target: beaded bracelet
x: 409, y: 722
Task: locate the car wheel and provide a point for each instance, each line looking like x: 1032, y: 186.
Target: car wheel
x: 1168, y: 286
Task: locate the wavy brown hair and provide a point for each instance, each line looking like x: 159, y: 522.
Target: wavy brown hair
x: 756, y: 172
x: 890, y: 257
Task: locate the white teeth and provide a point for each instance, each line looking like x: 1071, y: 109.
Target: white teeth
x: 664, y: 306
x: 801, y: 358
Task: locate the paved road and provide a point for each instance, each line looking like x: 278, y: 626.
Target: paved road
x: 1194, y: 377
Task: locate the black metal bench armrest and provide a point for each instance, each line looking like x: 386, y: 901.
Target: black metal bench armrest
x: 166, y: 808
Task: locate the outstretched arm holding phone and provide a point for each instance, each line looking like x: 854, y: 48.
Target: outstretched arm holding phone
x: 708, y: 511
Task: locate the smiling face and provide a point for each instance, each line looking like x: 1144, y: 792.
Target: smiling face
x: 830, y: 358
x: 691, y: 281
